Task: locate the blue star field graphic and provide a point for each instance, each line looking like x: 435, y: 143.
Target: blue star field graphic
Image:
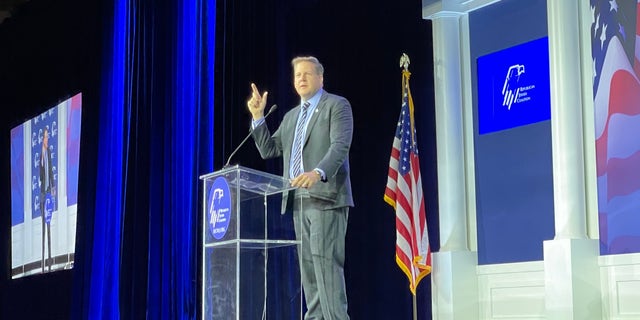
x: 611, y: 18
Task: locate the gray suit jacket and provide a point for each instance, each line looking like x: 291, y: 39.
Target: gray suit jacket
x: 326, y: 146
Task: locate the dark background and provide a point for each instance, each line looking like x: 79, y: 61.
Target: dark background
x: 50, y: 50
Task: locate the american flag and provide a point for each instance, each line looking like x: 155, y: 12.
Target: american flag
x: 404, y: 193
x: 615, y: 49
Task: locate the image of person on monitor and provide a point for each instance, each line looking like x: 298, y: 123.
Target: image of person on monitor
x: 47, y: 196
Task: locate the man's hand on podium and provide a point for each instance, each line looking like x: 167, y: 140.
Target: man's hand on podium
x: 306, y: 179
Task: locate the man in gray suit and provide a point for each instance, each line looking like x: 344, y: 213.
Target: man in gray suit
x: 314, y: 140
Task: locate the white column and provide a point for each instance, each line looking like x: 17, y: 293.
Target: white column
x: 449, y: 139
x: 566, y: 119
x: 454, y: 281
x: 572, y: 286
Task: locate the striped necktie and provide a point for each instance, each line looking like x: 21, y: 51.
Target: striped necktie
x: 296, y: 153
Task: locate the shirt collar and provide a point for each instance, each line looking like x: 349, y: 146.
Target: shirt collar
x: 313, y: 102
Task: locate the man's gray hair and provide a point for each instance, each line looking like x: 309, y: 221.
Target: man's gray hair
x: 314, y: 60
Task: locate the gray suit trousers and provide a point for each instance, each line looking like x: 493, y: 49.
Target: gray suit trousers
x: 321, y: 255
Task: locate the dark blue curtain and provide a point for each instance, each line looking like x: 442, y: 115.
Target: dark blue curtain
x: 138, y: 257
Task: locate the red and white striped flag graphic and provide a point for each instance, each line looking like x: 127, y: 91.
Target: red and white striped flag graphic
x: 404, y: 193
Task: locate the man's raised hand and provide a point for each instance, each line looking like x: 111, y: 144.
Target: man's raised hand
x: 257, y: 102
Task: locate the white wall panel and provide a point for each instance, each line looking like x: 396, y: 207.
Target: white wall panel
x: 620, y: 280
x: 511, y: 291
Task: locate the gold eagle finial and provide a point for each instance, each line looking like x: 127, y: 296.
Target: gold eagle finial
x: 404, y: 61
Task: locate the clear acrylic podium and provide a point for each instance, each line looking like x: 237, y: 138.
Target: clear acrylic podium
x: 250, y: 265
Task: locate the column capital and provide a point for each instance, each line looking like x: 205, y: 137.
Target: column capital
x: 433, y: 9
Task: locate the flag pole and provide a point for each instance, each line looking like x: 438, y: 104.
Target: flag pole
x: 413, y: 254
x: 415, y: 307
x: 404, y: 63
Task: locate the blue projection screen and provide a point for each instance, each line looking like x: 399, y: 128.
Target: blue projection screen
x: 45, y: 153
x: 513, y: 87
x: 512, y: 131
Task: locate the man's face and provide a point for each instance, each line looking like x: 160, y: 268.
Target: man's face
x: 306, y: 80
x: 45, y: 140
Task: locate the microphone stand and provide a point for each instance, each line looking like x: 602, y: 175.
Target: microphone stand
x: 273, y: 108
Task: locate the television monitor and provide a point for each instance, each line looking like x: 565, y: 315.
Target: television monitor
x: 513, y: 87
x: 44, y: 189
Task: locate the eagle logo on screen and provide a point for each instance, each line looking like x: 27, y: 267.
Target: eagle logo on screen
x: 54, y: 129
x: 49, y: 205
x: 510, y: 89
x: 219, y: 208
x: 36, y: 160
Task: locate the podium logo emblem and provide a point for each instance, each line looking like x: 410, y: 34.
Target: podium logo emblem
x: 219, y: 208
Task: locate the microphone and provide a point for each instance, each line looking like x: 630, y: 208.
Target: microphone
x: 273, y: 108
